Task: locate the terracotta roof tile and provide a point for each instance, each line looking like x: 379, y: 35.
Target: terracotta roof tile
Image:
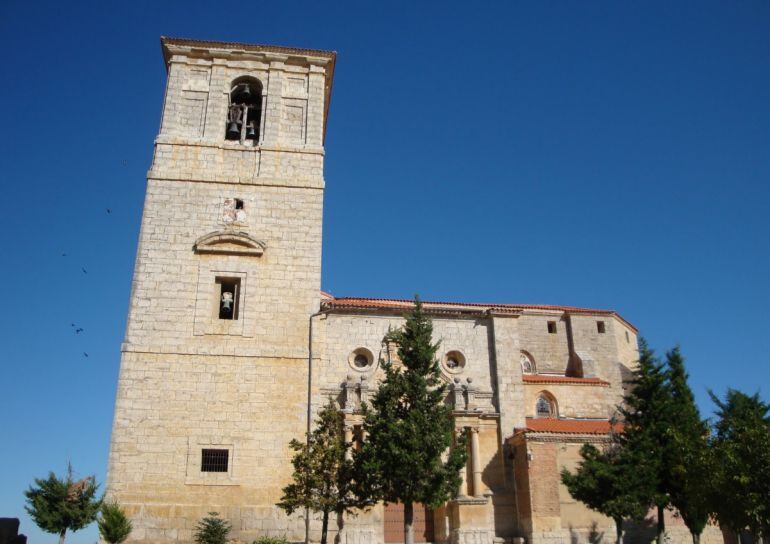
x: 568, y: 426
x: 543, y: 378
x: 363, y: 303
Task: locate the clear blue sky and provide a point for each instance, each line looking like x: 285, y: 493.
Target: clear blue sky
x: 612, y: 155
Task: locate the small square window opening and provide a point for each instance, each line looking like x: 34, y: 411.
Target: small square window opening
x: 229, y: 296
x: 628, y: 338
x: 238, y: 204
x: 214, y: 460
x: 600, y: 327
x: 552, y: 327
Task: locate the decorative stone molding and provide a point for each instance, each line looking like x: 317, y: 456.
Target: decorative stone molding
x: 229, y: 243
x: 355, y: 390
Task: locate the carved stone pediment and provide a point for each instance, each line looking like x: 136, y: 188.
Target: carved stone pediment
x: 229, y: 243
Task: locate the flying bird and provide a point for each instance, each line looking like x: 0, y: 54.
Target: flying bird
x: 84, y: 271
x: 63, y: 254
x: 78, y: 330
x: 109, y: 210
x: 85, y: 354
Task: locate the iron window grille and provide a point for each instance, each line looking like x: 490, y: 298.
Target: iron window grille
x: 214, y: 460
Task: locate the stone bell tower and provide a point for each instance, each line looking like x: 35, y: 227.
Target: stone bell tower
x: 227, y: 272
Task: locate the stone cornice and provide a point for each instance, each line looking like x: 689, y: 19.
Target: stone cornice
x: 210, y: 50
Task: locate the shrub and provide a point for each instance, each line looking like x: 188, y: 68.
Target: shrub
x: 114, y: 526
x: 270, y: 540
x: 212, y: 530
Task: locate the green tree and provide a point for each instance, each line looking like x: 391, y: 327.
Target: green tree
x: 60, y: 504
x: 687, y: 456
x: 607, y: 481
x: 647, y: 420
x: 212, y: 530
x: 407, y: 456
x: 114, y: 525
x: 742, y: 470
x: 323, y: 472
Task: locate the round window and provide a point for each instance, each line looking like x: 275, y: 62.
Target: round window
x: 453, y: 362
x: 361, y: 359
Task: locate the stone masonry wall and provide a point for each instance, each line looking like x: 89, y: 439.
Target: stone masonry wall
x: 190, y: 381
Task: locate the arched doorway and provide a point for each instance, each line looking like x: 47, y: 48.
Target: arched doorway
x: 394, y: 523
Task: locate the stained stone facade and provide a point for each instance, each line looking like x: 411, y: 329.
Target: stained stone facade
x: 216, y: 373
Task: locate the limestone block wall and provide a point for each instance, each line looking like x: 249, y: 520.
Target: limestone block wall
x: 507, y: 363
x: 550, y: 351
x: 191, y: 381
x: 171, y: 280
x: 192, y: 141
x: 169, y: 407
x: 573, y: 401
x: 611, y: 353
x: 345, y: 333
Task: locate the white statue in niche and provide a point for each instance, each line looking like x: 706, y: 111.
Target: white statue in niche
x: 227, y: 302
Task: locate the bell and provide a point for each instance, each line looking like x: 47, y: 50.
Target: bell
x: 227, y: 302
x: 243, y: 93
x: 251, y: 132
x: 233, y: 131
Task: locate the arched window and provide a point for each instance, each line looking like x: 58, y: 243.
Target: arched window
x: 545, y: 406
x: 244, y: 114
x: 527, y: 364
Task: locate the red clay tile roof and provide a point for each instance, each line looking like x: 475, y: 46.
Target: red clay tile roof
x: 359, y: 303
x: 542, y: 378
x: 568, y: 426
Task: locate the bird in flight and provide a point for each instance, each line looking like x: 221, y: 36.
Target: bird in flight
x: 109, y: 210
x: 84, y: 271
x: 63, y: 254
x: 85, y: 354
x: 78, y: 330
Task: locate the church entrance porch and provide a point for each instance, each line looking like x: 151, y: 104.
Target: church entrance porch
x: 394, y: 523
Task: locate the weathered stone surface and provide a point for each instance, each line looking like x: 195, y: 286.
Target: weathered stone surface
x: 249, y: 215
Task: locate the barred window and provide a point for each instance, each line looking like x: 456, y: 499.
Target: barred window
x: 214, y: 460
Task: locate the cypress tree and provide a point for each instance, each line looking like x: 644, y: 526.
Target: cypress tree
x: 647, y: 420
x: 114, y: 526
x: 407, y: 455
x: 607, y: 481
x: 742, y: 470
x: 687, y: 457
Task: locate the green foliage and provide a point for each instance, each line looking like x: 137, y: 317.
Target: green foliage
x: 212, y: 530
x: 114, y: 526
x: 323, y: 473
x: 270, y: 540
x: 647, y: 419
x: 742, y: 469
x: 409, y: 428
x: 688, y: 461
x: 60, y: 504
x: 607, y: 481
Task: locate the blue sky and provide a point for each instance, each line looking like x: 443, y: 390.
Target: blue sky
x: 602, y: 154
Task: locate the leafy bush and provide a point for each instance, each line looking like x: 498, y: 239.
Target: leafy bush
x: 270, y: 540
x: 212, y: 530
x: 114, y: 526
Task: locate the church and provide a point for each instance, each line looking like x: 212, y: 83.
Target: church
x: 231, y: 346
